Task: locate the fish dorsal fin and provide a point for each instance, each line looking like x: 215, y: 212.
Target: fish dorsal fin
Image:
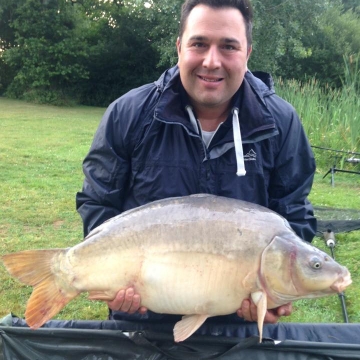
x: 260, y: 300
x: 187, y: 326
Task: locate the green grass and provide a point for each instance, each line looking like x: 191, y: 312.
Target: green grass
x: 345, y: 194
x: 41, y: 152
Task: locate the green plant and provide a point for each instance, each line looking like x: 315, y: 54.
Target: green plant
x: 330, y: 116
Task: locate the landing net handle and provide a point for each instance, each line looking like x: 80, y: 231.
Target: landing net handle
x: 329, y: 238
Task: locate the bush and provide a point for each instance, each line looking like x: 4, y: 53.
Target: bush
x: 43, y: 96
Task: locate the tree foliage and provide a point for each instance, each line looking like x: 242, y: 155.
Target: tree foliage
x: 337, y: 37
x: 49, y: 50
x: 280, y: 28
x: 93, y: 51
x: 7, y: 39
x: 165, y: 20
x: 121, y: 55
x: 353, y: 5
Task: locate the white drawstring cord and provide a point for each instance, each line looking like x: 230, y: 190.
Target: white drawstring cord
x: 238, y: 144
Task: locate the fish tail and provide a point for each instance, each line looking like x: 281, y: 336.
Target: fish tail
x: 49, y: 295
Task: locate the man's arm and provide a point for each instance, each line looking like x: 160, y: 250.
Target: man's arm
x: 106, y: 169
x: 292, y: 179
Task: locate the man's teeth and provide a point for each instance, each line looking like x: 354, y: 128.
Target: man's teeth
x: 209, y: 80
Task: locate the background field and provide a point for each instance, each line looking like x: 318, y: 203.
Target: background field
x: 41, y: 151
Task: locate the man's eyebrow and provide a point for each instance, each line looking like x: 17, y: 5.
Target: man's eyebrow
x: 230, y: 41
x: 204, y: 38
x: 198, y: 38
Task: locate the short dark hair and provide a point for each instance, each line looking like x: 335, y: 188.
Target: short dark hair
x: 244, y: 6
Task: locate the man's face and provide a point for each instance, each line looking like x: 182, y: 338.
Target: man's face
x: 212, y: 56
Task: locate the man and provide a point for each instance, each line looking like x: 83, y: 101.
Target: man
x: 207, y: 125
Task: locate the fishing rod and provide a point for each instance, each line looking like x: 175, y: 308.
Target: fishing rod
x: 339, y: 151
x: 330, y: 242
x: 333, y: 169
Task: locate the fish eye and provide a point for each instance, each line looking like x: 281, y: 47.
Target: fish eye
x: 315, y: 263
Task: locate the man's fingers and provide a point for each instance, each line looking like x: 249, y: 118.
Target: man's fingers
x: 134, y: 305
x: 271, y: 317
x: 122, y: 301
x: 285, y: 310
x: 118, y: 300
x: 127, y: 301
x: 248, y: 311
x: 142, y: 310
x: 128, y: 298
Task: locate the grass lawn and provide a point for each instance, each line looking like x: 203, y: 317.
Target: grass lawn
x: 346, y: 195
x: 41, y: 152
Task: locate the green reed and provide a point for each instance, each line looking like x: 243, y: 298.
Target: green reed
x: 331, y: 117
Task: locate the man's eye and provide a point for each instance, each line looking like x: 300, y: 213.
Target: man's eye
x: 198, y: 45
x: 229, y: 47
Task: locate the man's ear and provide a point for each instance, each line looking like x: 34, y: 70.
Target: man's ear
x: 178, y: 45
x: 249, y: 52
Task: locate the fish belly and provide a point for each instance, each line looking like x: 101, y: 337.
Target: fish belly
x: 191, y: 283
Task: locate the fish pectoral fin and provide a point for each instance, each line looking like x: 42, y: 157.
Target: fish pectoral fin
x: 187, y: 326
x: 248, y: 281
x: 101, y: 295
x: 260, y: 300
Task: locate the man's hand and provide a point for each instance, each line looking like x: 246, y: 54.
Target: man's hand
x: 127, y: 301
x: 248, y: 312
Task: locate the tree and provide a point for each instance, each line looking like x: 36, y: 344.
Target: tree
x: 301, y: 39
x: 90, y: 52
x: 7, y: 39
x: 165, y: 19
x: 120, y: 49
x: 50, y: 47
x: 7, y: 16
x: 94, y: 51
x: 280, y: 29
x: 353, y: 5
x: 336, y: 37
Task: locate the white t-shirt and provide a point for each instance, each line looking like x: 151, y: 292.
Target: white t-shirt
x: 207, y: 136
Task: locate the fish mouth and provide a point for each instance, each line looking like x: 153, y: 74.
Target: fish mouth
x: 341, y: 284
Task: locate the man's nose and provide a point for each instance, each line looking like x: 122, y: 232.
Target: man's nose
x: 212, y: 58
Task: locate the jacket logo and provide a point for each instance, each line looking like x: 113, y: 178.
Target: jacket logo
x: 250, y: 156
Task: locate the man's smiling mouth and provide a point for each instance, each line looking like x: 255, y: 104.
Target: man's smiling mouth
x: 210, y: 80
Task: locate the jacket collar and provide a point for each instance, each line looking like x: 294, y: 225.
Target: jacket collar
x: 255, y: 118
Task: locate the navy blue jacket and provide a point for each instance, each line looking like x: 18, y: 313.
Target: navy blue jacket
x: 146, y: 149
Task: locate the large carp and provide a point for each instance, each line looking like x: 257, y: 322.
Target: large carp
x: 198, y: 256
